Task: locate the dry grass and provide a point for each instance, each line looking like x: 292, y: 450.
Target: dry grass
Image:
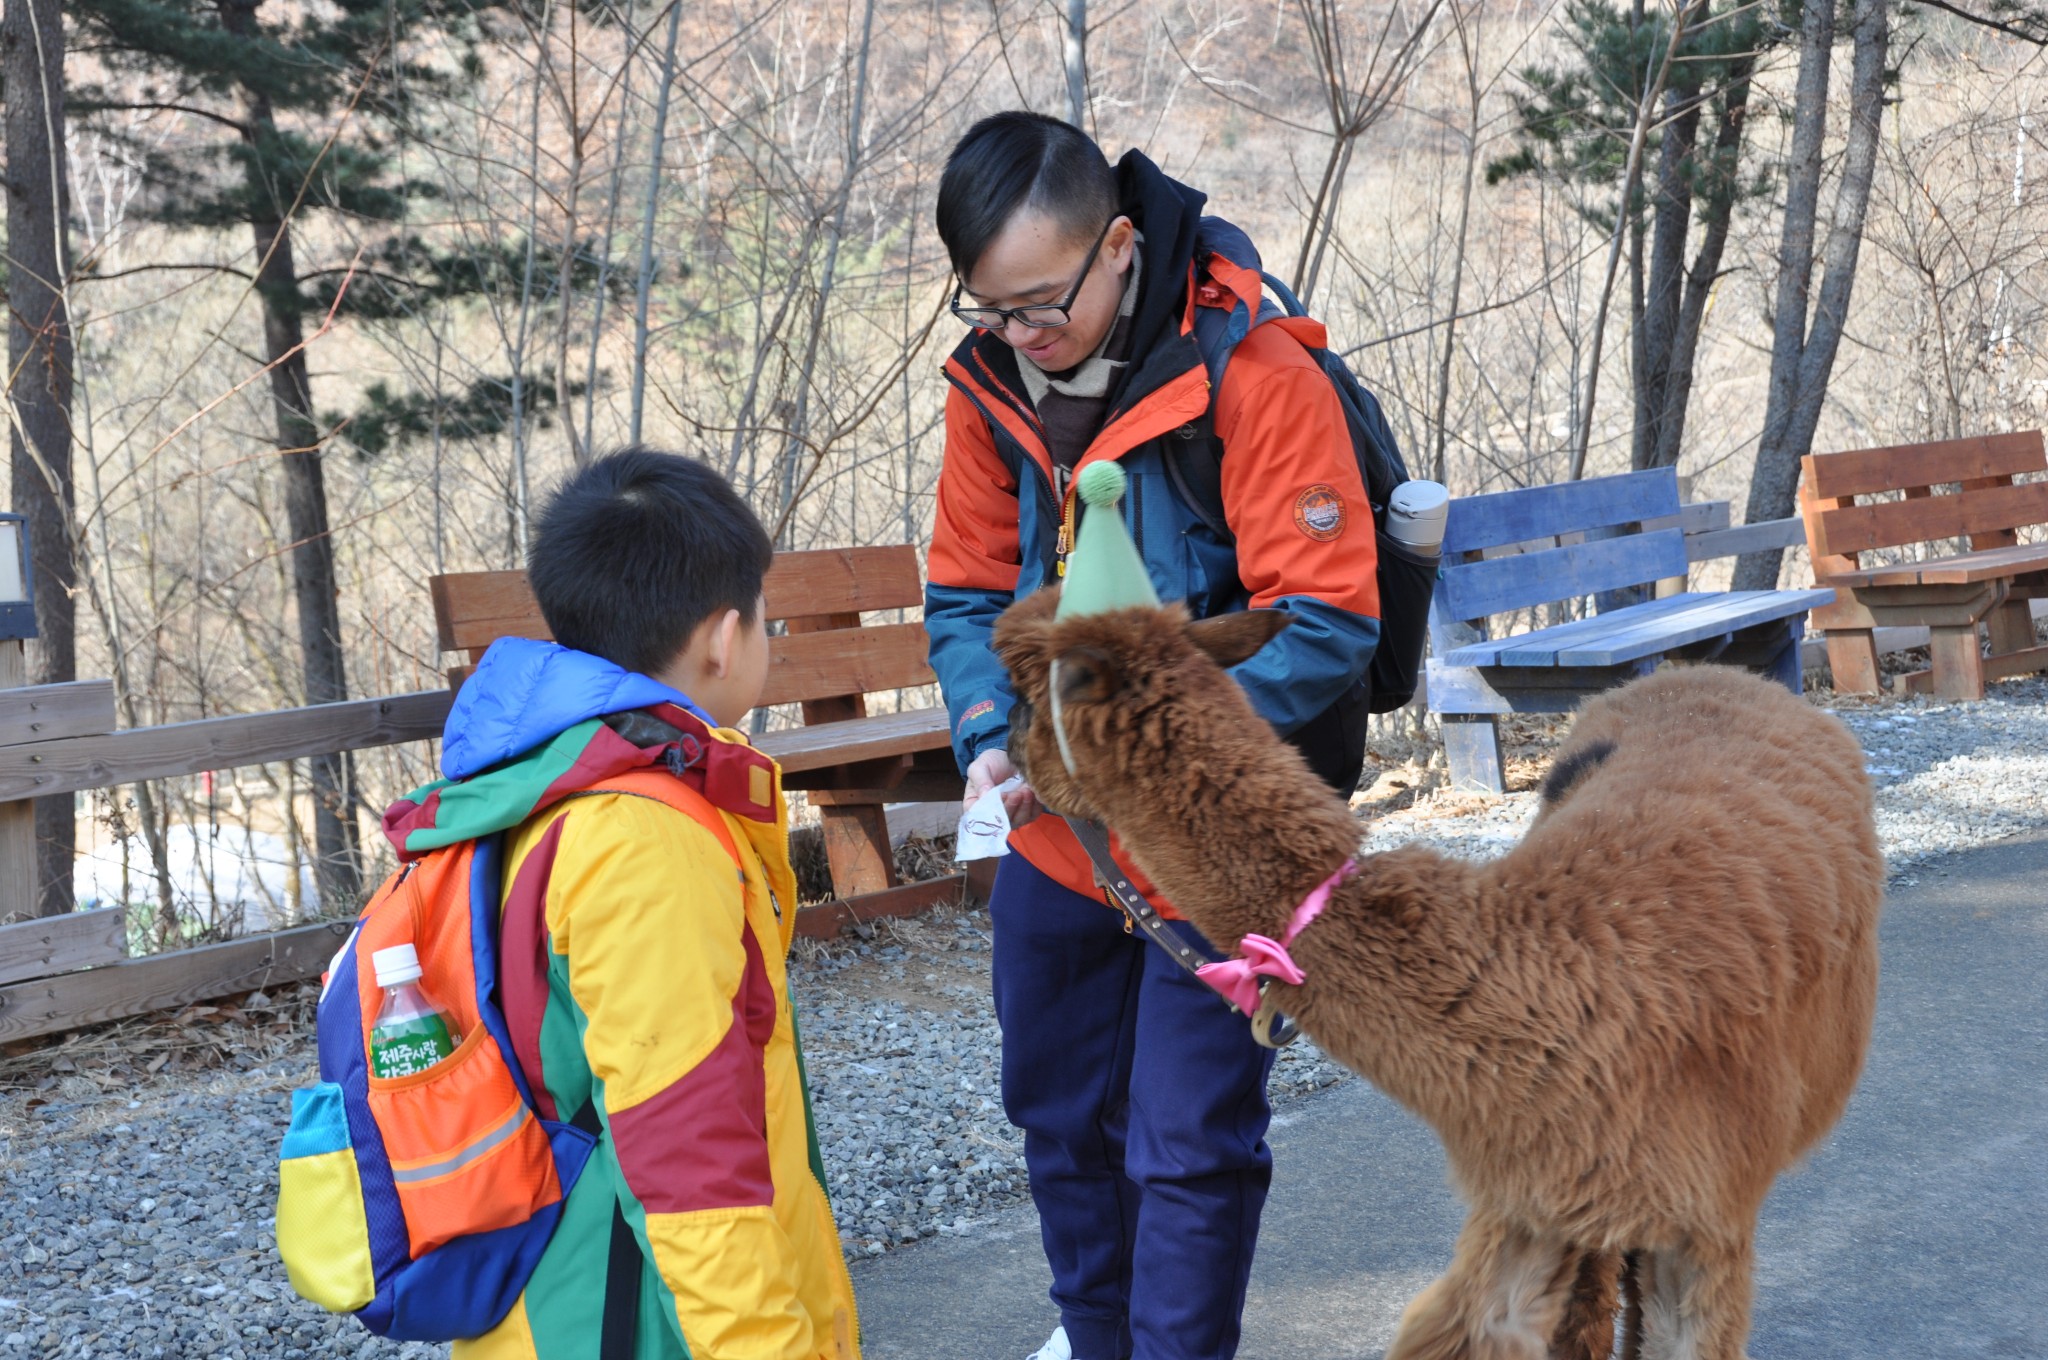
x: 918, y: 860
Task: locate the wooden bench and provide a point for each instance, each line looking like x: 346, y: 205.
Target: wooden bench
x: 1955, y: 489
x: 1599, y: 547
x: 849, y: 762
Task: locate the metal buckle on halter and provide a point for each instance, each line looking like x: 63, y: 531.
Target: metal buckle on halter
x: 1270, y: 1027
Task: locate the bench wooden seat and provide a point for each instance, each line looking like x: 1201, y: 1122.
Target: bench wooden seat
x: 1919, y: 496
x: 1649, y: 629
x: 849, y: 762
x: 855, y: 741
x: 1962, y: 569
x: 1514, y: 551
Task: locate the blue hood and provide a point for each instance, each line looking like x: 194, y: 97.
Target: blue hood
x: 526, y: 693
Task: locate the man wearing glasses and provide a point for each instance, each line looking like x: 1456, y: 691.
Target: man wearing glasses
x: 1141, y: 1096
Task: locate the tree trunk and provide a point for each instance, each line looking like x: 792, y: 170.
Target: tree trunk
x: 39, y: 362
x: 1801, y: 362
x: 298, y: 441
x: 1076, y: 54
x: 1717, y: 211
x: 1671, y: 220
x: 643, y: 285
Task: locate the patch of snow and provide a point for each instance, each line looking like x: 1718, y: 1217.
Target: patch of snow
x: 232, y: 876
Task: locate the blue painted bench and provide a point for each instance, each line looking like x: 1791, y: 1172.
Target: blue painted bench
x: 1496, y: 561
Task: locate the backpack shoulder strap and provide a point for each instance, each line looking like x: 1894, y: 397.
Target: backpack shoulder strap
x: 1197, y: 474
x: 661, y: 786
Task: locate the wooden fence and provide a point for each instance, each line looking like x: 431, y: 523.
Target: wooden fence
x: 63, y: 972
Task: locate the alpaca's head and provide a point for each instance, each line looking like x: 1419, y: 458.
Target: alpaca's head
x: 1139, y: 693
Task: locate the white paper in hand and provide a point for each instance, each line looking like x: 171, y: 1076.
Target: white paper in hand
x: 985, y: 828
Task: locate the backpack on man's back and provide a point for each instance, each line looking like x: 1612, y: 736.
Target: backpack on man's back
x: 1407, y: 578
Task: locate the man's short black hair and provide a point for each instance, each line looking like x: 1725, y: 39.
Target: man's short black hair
x: 637, y: 549
x: 1016, y: 160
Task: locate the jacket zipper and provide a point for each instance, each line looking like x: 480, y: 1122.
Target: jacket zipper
x: 1138, y: 514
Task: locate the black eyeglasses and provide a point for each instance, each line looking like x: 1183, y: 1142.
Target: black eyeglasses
x: 1040, y: 316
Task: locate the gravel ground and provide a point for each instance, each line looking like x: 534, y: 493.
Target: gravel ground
x: 137, y: 1191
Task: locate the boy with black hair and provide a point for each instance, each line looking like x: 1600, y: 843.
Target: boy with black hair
x: 648, y: 907
x: 1090, y: 291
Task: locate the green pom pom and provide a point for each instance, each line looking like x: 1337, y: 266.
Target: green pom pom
x: 1101, y: 484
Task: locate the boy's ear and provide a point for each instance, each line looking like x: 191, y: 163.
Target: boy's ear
x: 725, y: 641
x: 1235, y: 637
x: 1086, y: 675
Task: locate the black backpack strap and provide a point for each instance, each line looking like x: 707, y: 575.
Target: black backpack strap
x: 1197, y: 471
x: 1379, y: 454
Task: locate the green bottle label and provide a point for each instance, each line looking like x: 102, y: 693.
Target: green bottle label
x: 404, y: 1047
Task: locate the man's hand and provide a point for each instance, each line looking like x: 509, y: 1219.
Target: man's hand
x: 991, y: 768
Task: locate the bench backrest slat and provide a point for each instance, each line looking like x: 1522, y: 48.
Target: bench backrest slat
x: 1863, y: 472
x: 1850, y: 529
x: 831, y: 587
x: 846, y: 661
x: 473, y: 609
x: 1487, y: 521
x: 1475, y: 589
x: 1605, y: 561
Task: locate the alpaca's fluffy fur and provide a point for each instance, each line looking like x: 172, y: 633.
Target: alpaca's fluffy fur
x: 1623, y: 1029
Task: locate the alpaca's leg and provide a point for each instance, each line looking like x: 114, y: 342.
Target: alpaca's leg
x: 1587, y: 1332
x: 1632, y: 1306
x: 1696, y: 1301
x: 1503, y: 1298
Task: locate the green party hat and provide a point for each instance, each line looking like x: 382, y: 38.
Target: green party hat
x: 1104, y: 572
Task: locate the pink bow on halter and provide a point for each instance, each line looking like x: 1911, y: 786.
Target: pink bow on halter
x: 1237, y: 980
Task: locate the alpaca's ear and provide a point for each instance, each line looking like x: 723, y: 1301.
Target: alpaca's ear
x: 1020, y: 632
x: 1087, y: 675
x: 1231, y: 638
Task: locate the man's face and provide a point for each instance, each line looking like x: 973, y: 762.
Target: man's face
x: 1032, y: 261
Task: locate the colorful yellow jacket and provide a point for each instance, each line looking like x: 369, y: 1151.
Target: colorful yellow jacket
x: 644, y: 936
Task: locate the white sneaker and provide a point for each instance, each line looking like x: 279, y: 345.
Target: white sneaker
x: 1055, y: 1347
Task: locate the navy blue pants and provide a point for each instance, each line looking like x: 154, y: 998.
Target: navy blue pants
x: 1143, y: 1103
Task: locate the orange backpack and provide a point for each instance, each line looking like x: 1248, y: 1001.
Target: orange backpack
x: 423, y: 1203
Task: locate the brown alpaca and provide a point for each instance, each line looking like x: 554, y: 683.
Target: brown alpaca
x: 1622, y: 1030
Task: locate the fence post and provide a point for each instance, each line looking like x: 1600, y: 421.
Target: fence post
x: 17, y: 819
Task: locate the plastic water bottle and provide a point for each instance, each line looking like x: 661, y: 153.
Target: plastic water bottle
x: 1416, y: 513
x: 411, y: 1033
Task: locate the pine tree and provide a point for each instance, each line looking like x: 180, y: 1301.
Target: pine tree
x: 292, y: 111
x: 1576, y: 120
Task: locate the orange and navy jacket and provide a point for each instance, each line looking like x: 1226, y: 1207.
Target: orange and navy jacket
x: 645, y: 928
x: 1301, y: 530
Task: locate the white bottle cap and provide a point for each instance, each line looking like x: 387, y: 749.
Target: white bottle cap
x: 1416, y: 513
x: 399, y: 963
x: 1420, y: 496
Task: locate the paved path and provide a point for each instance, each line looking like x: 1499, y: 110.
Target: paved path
x: 1919, y: 1230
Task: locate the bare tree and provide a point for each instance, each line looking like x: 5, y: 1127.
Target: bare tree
x: 39, y: 360
x: 1802, y: 359
x: 1074, y: 51
x: 1354, y: 100
x: 1645, y: 111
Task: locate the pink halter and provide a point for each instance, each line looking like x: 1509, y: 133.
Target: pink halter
x: 1237, y: 980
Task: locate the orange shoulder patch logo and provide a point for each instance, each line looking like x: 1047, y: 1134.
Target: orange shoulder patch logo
x: 1319, y: 512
